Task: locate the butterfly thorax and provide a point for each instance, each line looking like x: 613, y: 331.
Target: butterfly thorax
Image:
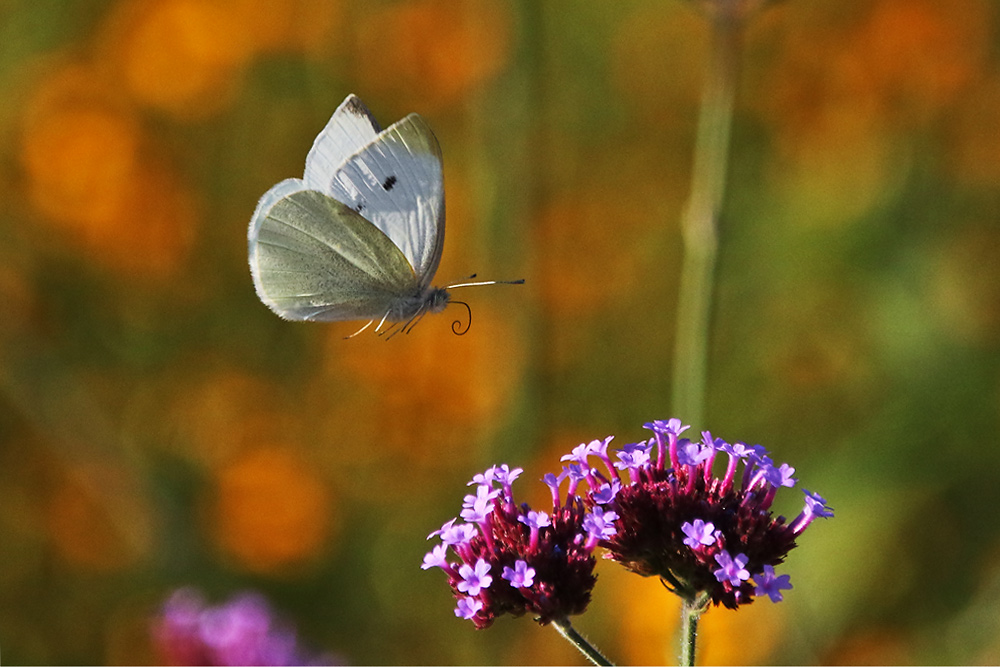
x: 428, y: 300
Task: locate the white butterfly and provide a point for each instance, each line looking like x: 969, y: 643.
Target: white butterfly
x: 360, y: 235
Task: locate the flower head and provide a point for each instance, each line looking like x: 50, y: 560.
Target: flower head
x: 515, y: 560
x: 673, y: 517
x: 241, y: 631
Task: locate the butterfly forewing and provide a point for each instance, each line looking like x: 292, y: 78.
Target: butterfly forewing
x: 396, y: 183
x: 314, y: 258
x: 351, y: 128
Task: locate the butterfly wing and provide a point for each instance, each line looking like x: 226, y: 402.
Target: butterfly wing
x: 314, y: 258
x: 396, y: 182
x: 361, y: 234
x: 351, y: 128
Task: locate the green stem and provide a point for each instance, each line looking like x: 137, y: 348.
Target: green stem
x: 699, y: 224
x: 567, y: 630
x: 691, y: 611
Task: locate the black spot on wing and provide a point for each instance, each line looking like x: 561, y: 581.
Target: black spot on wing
x: 388, y: 183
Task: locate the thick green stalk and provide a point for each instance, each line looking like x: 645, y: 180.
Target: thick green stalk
x: 699, y: 224
x: 691, y: 611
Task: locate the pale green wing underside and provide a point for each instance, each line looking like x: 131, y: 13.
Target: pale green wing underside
x: 314, y: 258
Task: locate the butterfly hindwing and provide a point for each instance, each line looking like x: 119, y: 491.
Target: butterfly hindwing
x: 396, y: 183
x: 314, y: 258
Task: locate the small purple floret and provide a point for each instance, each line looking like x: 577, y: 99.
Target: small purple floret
x: 600, y: 524
x: 506, y: 475
x: 699, y: 533
x: 535, y: 519
x: 436, y: 557
x: 468, y: 607
x: 692, y: 453
x: 606, y: 493
x: 474, y: 579
x: 478, y: 507
x: 521, y: 575
x: 671, y: 426
x: 732, y: 570
x: 578, y: 455
x: 770, y: 585
x: 460, y: 534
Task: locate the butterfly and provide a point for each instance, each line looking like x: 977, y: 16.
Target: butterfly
x: 360, y: 235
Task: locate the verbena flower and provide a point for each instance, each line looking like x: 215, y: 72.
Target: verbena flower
x: 701, y: 533
x: 241, y: 631
x: 510, y: 559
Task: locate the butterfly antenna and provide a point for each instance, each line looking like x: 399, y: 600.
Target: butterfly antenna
x: 456, y: 326
x: 485, y: 282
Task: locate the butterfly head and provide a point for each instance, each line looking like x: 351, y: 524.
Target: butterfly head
x: 436, y: 299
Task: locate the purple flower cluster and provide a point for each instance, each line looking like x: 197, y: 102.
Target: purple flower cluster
x: 514, y: 560
x: 242, y: 631
x: 700, y: 533
x: 658, y: 509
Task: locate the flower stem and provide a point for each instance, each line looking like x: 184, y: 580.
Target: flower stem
x: 698, y: 226
x: 691, y: 611
x: 567, y: 630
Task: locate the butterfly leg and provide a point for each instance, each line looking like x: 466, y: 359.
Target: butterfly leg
x: 382, y: 321
x: 391, y: 331
x: 414, y: 321
x: 360, y: 330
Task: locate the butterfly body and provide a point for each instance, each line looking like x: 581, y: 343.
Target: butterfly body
x: 360, y: 235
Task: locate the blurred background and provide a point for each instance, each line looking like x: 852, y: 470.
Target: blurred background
x: 160, y: 427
